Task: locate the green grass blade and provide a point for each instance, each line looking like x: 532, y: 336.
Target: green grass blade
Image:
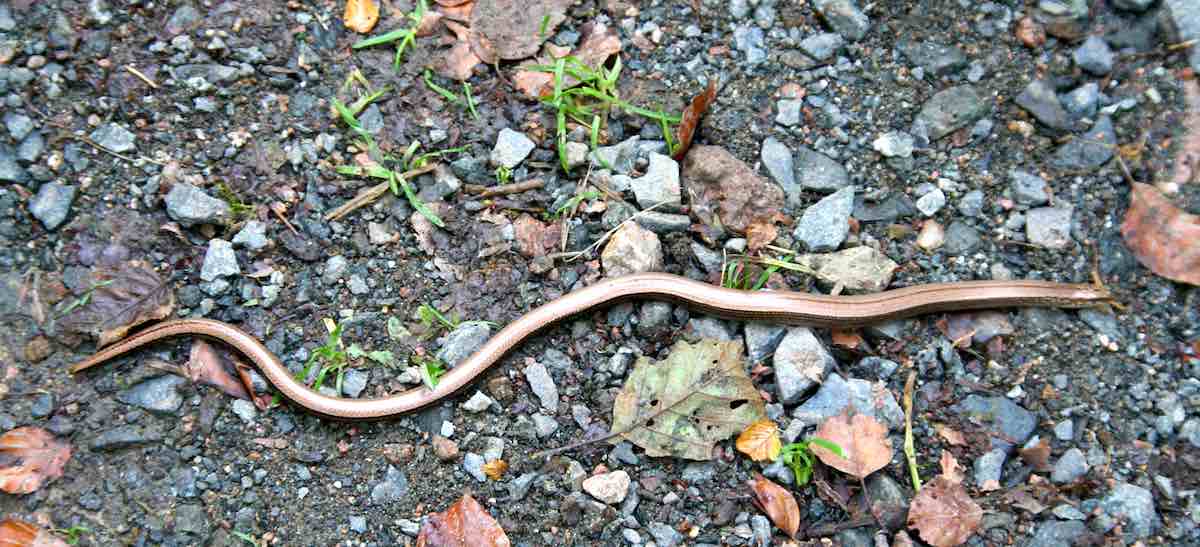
x: 385, y: 38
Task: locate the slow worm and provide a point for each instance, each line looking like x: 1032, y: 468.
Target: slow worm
x: 778, y: 306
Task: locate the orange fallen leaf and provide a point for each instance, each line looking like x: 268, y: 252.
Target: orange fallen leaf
x: 1161, y: 236
x: 943, y: 514
x: 464, y: 524
x: 760, y: 441
x: 29, y: 456
x: 691, y: 118
x: 495, y: 469
x: 18, y: 533
x: 1038, y: 455
x: 863, y: 440
x: 361, y: 15
x: 846, y: 338
x: 778, y: 504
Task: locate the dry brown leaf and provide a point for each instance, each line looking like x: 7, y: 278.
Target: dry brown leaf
x: 206, y: 366
x: 120, y: 299
x: 1038, y: 455
x: 18, y: 533
x: 760, y: 441
x: 514, y: 29
x: 599, y: 42
x: 1161, y: 236
x: 846, y: 338
x: 451, y: 3
x: 29, y: 457
x: 943, y: 514
x: 495, y: 469
x: 535, y: 238
x: 950, y: 468
x: 952, y: 436
x: 863, y: 440
x: 361, y: 15
x: 459, y: 62
x: 778, y: 504
x: 690, y: 121
x: 464, y: 524
x: 726, y: 193
x: 760, y: 233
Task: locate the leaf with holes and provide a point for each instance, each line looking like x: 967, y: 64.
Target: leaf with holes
x: 29, y: 456
x: 683, y: 405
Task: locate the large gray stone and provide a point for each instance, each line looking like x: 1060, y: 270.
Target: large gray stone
x: 952, y: 109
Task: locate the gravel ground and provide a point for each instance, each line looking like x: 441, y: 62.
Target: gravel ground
x: 958, y: 150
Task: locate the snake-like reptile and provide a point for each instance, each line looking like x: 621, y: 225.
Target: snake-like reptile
x: 777, y: 306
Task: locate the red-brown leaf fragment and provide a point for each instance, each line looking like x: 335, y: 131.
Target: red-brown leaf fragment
x: 464, y: 524
x: 1161, y: 236
x: 943, y: 514
x: 29, y: 457
x: 863, y: 440
x: 691, y: 118
x: 778, y: 504
x: 18, y: 533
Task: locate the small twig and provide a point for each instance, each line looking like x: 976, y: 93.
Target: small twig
x: 372, y: 193
x: 504, y: 190
x: 910, y: 452
x: 133, y: 70
x: 87, y: 140
x: 831, y: 529
x: 279, y: 214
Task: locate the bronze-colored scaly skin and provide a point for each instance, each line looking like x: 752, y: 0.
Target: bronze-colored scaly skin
x: 783, y: 307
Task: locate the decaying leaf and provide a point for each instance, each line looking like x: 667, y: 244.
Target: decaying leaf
x: 726, y: 193
x: 1038, y: 455
x: 464, y: 524
x: 846, y: 338
x: 760, y: 441
x: 690, y: 120
x: 599, y: 42
x: 778, y: 504
x: 514, y: 29
x: 18, y: 533
x: 950, y: 435
x: 495, y: 469
x: 950, y: 468
x: 29, y: 457
x: 361, y: 15
x: 118, y: 299
x: 205, y: 366
x: 864, y: 442
x: 682, y: 406
x: 1161, y: 236
x: 943, y: 514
